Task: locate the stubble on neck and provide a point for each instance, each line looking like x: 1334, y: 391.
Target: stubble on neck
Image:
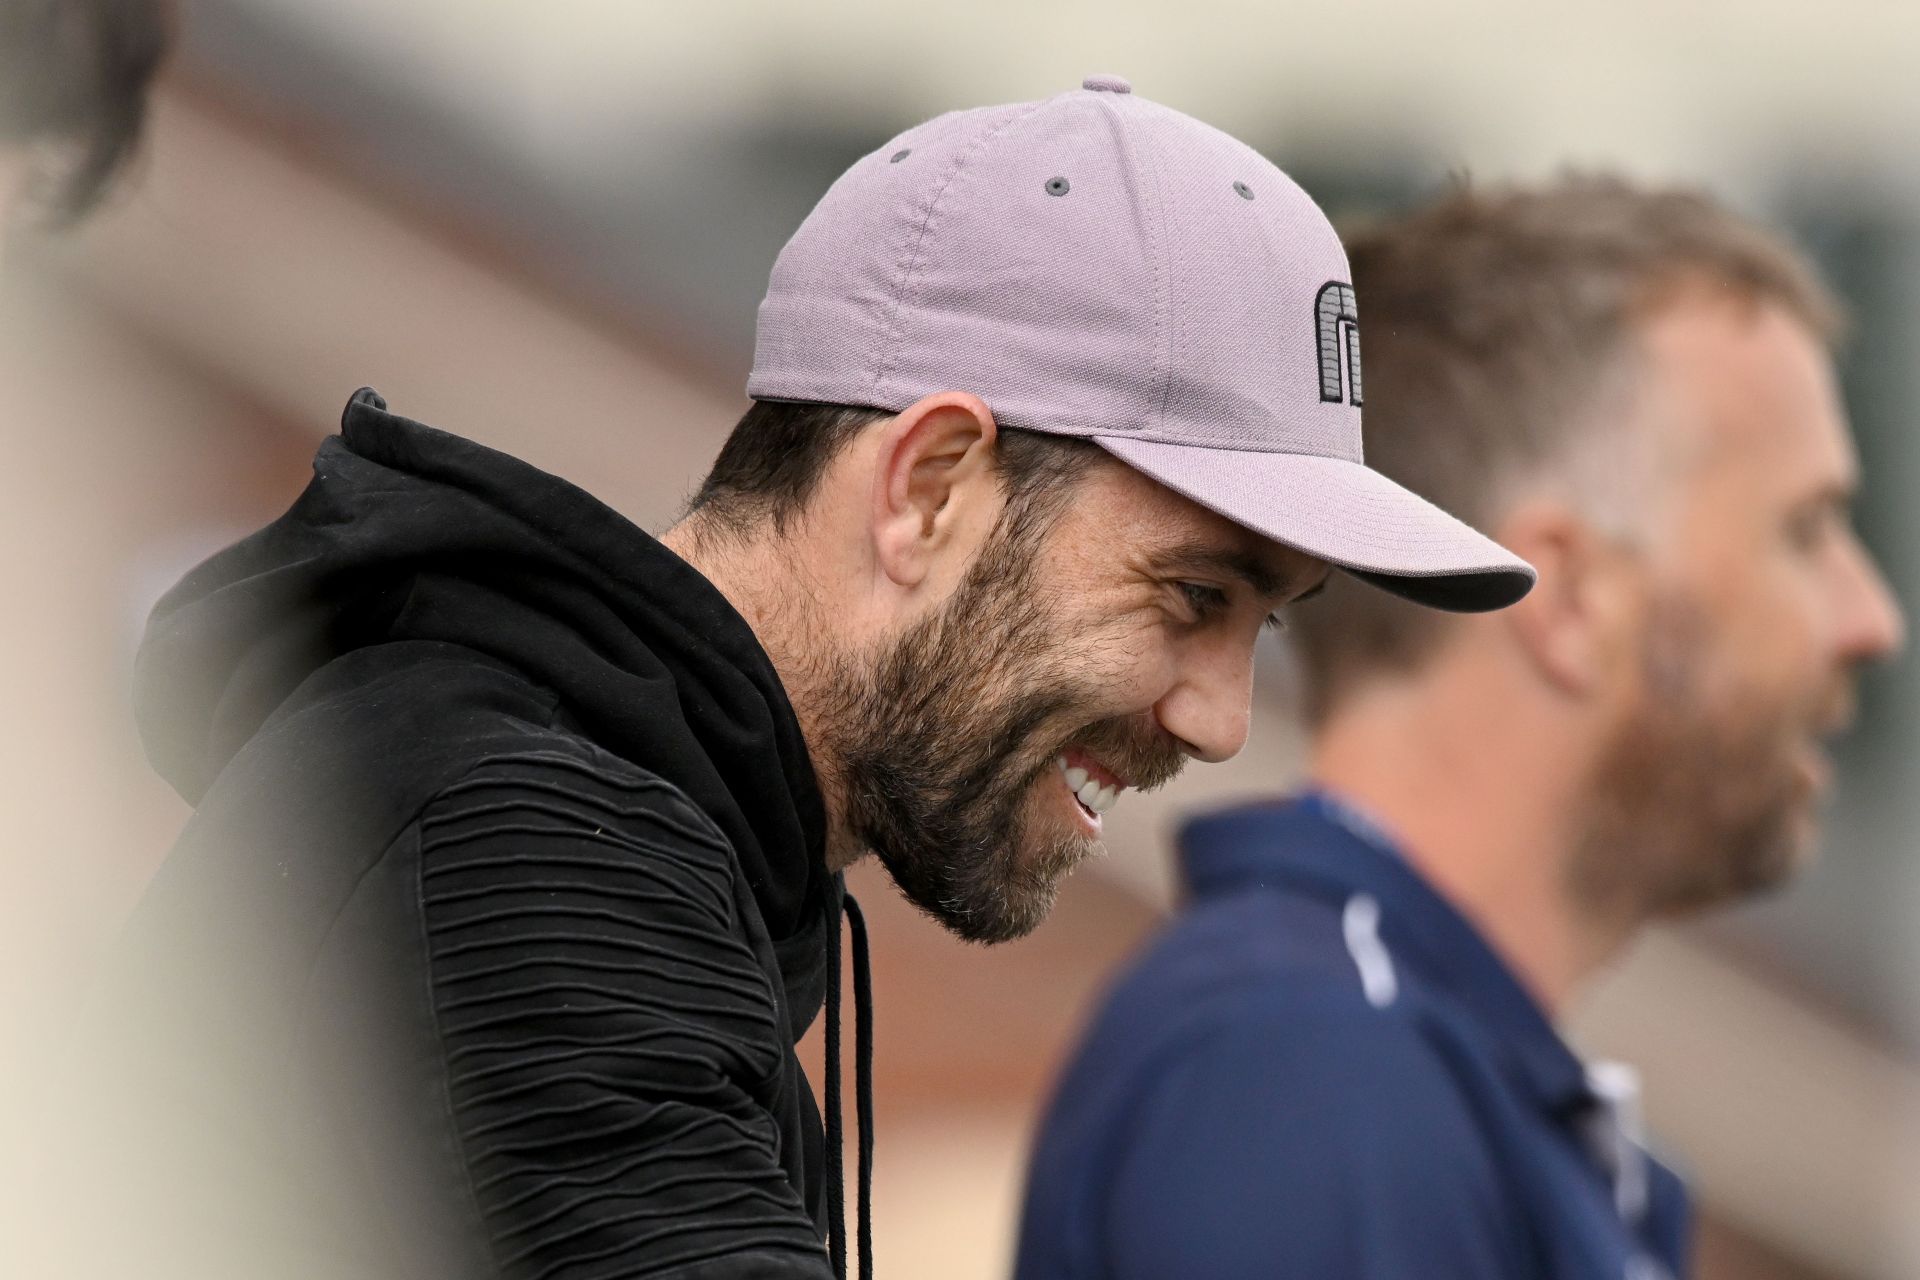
x: 780, y: 596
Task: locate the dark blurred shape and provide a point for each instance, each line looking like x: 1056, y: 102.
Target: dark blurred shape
x: 73, y: 81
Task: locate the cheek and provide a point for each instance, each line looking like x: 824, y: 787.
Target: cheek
x: 1789, y: 622
x: 1764, y: 634
x: 1130, y: 663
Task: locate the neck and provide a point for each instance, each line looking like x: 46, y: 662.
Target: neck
x: 1484, y: 797
x: 768, y: 584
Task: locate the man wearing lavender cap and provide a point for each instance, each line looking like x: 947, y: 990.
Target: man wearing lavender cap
x: 1055, y: 405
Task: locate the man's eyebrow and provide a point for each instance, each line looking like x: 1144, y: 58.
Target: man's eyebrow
x: 1230, y: 562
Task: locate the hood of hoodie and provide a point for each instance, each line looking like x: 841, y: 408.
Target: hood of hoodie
x: 407, y: 533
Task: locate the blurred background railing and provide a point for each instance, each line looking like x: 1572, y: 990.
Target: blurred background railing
x: 547, y: 226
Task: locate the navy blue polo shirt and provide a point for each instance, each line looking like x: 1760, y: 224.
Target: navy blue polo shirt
x: 1321, y: 1070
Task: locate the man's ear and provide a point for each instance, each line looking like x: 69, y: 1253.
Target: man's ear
x: 934, y: 485
x: 1580, y: 620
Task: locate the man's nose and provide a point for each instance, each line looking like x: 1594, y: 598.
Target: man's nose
x: 1210, y: 708
x: 1872, y: 626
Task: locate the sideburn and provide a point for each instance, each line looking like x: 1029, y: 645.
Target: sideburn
x: 937, y: 745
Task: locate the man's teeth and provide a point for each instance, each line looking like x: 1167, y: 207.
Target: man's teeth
x: 1089, y: 792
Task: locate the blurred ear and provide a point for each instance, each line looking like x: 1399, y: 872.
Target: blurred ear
x: 1577, y: 626
x: 935, y: 492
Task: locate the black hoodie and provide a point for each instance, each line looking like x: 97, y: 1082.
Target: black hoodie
x: 504, y: 900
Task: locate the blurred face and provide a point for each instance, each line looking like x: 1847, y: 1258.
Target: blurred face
x: 1761, y: 605
x: 981, y: 751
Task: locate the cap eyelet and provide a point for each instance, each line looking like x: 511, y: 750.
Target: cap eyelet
x: 1058, y: 186
x: 900, y: 155
x: 1242, y: 190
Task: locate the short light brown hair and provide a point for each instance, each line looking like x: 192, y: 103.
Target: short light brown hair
x: 1491, y: 322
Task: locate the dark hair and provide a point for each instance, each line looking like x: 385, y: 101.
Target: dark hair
x: 772, y: 462
x: 1494, y: 321
x: 75, y: 73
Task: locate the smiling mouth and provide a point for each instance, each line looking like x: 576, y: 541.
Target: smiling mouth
x: 1092, y: 788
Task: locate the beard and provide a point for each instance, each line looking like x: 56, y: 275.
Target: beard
x: 1698, y: 799
x: 938, y: 742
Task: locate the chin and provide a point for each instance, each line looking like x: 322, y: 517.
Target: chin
x: 1011, y: 915
x: 1030, y: 877
x: 1804, y: 845
x: 1760, y: 868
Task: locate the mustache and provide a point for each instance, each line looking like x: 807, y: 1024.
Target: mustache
x: 1135, y: 748
x: 1835, y: 713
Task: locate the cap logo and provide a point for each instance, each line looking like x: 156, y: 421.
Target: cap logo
x: 1336, y: 323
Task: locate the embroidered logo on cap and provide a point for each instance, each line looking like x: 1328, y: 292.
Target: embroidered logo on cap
x: 1334, y: 319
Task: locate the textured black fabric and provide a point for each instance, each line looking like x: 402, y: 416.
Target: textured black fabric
x: 604, y: 1115
x: 411, y: 533
x: 503, y: 904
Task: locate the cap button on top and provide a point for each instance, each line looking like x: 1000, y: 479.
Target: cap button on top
x: 1106, y: 84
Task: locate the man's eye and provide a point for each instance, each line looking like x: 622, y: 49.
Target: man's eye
x: 1205, y: 601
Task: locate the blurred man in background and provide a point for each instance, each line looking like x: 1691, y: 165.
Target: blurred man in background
x: 515, y: 870
x: 73, y: 88
x: 1342, y: 1062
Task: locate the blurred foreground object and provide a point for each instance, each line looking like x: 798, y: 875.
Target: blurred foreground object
x: 73, y: 98
x: 1344, y: 1056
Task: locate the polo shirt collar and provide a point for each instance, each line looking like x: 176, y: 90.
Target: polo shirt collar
x: 1310, y: 845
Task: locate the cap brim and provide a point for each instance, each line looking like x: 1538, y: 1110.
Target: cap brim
x: 1344, y: 513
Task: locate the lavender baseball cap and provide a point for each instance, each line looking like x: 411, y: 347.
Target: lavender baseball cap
x: 1098, y: 265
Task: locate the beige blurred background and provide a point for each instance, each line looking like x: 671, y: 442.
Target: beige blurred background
x: 546, y: 226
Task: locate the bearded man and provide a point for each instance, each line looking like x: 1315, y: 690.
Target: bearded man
x: 1341, y: 1061
x: 516, y: 869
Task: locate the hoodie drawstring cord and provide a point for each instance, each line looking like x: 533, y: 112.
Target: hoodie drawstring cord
x: 863, y: 1078
x: 836, y: 1167
x: 862, y: 1090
